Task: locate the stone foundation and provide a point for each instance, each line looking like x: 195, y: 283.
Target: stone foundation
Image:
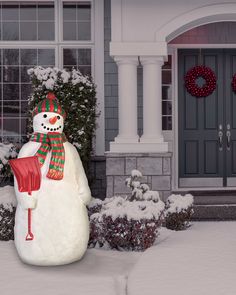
x: 156, y: 170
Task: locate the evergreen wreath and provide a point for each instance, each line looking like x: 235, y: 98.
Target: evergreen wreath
x: 210, y: 81
x: 233, y: 83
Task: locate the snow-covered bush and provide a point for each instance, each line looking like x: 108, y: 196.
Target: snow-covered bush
x: 76, y: 94
x: 7, y: 213
x: 7, y: 151
x: 130, y: 222
x: 140, y: 191
x: 125, y: 225
x: 179, y: 210
x: 95, y: 206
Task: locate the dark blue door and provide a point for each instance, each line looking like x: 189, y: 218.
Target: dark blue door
x: 207, y: 126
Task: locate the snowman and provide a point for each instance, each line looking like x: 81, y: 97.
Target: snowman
x: 59, y: 215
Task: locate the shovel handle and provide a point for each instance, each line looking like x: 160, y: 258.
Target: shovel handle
x: 29, y: 236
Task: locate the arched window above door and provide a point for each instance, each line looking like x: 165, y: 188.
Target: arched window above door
x: 213, y: 33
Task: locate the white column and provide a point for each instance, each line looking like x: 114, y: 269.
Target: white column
x: 152, y: 138
x: 127, y: 92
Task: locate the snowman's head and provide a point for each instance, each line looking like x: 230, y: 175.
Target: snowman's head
x: 48, y: 116
x: 48, y: 122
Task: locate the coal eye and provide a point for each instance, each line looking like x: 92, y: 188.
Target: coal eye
x: 45, y: 116
x: 58, y: 117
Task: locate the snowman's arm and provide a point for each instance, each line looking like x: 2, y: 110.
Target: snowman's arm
x: 83, y: 187
x: 23, y: 199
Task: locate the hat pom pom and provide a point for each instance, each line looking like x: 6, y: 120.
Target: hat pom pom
x: 51, y: 95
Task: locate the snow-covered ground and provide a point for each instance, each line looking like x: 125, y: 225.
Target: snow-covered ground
x: 100, y: 272
x: 198, y: 261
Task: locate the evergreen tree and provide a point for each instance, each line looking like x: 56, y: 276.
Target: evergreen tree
x: 77, y: 95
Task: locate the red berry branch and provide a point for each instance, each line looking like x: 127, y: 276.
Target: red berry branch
x: 210, y: 81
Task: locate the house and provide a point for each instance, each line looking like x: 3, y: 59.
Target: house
x: 138, y: 53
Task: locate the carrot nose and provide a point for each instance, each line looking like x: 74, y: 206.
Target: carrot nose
x: 53, y: 120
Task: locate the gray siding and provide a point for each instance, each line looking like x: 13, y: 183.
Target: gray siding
x: 111, y: 82
x: 111, y: 85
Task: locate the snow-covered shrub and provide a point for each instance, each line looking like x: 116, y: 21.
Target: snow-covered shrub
x: 7, y: 213
x: 179, y: 210
x: 76, y: 94
x: 125, y: 224
x: 96, y: 236
x: 140, y: 191
x: 94, y: 206
x: 7, y: 151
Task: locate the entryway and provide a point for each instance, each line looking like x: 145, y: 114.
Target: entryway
x: 207, y: 125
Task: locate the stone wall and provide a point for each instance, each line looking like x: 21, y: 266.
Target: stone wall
x: 156, y: 170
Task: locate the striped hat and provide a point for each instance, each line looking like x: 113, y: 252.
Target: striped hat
x: 50, y: 104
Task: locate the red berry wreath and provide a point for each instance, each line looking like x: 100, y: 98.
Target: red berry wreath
x: 234, y: 83
x: 210, y: 81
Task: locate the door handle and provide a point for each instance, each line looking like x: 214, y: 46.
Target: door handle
x: 220, y: 138
x: 228, y: 136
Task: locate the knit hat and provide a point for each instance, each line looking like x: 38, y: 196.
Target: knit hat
x: 50, y: 104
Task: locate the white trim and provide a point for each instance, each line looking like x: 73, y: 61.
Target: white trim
x: 175, y: 155
x: 205, y: 14
x: 138, y: 48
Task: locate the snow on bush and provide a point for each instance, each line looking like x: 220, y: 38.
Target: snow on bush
x: 7, y: 151
x: 179, y: 210
x: 140, y: 191
x: 127, y: 223
x: 7, y: 213
x: 76, y: 94
x: 95, y: 206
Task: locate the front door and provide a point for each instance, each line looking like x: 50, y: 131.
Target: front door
x: 207, y: 125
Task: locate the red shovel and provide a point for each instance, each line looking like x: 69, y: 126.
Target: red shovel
x: 28, y: 174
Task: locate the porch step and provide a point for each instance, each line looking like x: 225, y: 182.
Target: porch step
x: 214, y: 212
x: 222, y: 199
x: 213, y: 197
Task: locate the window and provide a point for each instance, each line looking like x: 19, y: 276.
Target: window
x: 78, y: 58
x: 77, y: 21
x: 167, y: 95
x: 27, y: 21
x: 28, y: 34
x: 15, y: 88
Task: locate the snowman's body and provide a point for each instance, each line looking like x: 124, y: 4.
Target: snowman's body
x: 59, y: 221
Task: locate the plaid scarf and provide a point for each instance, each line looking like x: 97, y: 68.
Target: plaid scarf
x: 51, y: 141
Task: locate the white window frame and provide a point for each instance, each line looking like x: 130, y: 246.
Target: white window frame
x: 168, y: 134
x: 97, y: 54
